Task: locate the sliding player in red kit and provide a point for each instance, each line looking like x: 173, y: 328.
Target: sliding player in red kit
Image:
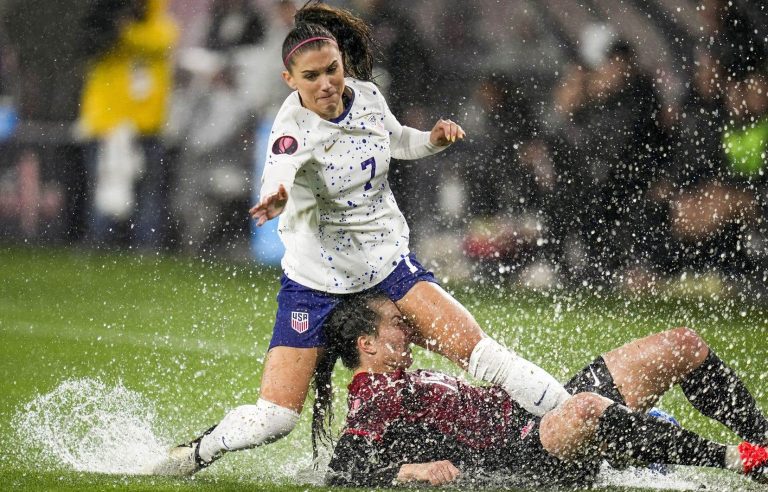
x: 427, y: 426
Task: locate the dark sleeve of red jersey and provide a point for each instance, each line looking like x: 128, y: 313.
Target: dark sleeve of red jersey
x: 359, y: 461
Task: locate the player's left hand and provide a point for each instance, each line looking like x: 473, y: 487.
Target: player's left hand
x: 445, y: 133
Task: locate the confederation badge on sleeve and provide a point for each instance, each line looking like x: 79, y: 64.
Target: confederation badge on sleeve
x: 299, y: 321
x: 285, y: 145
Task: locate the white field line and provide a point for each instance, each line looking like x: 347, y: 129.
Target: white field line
x: 110, y: 337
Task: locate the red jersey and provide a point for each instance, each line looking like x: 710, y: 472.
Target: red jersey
x: 422, y: 416
x: 478, y: 417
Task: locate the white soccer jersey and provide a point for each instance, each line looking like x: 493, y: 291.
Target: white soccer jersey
x: 341, y: 227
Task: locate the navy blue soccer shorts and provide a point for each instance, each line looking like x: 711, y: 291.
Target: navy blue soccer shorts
x: 301, y: 311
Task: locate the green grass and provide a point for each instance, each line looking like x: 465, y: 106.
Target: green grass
x: 189, y: 336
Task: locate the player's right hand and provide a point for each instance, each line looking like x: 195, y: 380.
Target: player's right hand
x: 269, y: 207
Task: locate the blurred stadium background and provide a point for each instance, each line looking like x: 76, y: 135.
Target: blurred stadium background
x: 618, y: 144
x: 612, y: 145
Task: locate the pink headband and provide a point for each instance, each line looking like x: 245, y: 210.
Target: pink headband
x: 317, y: 38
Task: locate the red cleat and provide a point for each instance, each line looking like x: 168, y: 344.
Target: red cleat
x: 755, y: 461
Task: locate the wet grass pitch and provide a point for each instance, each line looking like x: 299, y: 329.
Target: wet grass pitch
x: 169, y: 344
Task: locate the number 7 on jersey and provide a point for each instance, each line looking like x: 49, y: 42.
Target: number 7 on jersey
x: 365, y: 164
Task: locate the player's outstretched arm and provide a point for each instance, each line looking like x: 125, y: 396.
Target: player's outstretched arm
x: 269, y: 206
x: 445, y: 132
x: 408, y: 143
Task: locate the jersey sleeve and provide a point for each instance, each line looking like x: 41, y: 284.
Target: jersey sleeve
x: 359, y: 461
x: 405, y: 142
x: 288, y: 150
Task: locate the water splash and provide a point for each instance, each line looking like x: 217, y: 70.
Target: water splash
x: 679, y: 478
x: 88, y: 426
x: 647, y: 479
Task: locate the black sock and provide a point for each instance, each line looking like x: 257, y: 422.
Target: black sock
x: 714, y: 390
x: 627, y: 434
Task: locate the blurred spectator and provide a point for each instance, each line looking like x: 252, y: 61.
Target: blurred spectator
x: 124, y: 103
x: 45, y: 56
x: 715, y: 210
x: 226, y: 90
x: 606, y: 135
x: 497, y: 122
x: 41, y: 78
x: 234, y: 23
x: 503, y: 172
x: 257, y: 67
x: 745, y: 141
x: 404, y: 55
x: 730, y: 36
x: 699, y: 157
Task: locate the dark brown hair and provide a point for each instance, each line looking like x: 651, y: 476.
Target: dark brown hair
x: 353, y: 317
x: 352, y: 35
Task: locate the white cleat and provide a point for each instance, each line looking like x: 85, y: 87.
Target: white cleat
x: 180, y: 462
x: 183, y: 460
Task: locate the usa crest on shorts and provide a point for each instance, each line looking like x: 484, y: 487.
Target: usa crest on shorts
x: 299, y: 321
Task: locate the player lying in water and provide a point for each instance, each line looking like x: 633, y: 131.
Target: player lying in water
x: 426, y: 426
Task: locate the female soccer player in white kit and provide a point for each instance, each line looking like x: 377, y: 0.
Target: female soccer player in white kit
x: 326, y: 177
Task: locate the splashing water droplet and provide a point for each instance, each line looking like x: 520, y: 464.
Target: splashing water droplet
x: 88, y: 426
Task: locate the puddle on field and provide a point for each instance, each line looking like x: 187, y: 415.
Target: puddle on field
x: 86, y: 425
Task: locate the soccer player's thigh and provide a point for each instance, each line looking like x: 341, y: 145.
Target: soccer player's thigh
x: 287, y: 375
x: 645, y: 369
x: 441, y: 321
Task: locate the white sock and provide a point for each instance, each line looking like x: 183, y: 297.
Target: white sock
x: 248, y: 426
x: 528, y: 384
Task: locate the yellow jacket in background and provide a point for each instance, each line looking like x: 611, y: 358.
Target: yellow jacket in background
x: 132, y: 82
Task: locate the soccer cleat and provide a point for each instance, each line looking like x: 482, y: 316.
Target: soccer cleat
x: 179, y: 462
x: 183, y: 460
x: 755, y: 461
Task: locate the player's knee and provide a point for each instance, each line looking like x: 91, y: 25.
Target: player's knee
x: 585, y: 407
x: 690, y: 347
x: 566, y: 432
x: 581, y: 408
x: 550, y: 435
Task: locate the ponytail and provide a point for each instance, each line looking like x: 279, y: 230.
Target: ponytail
x: 353, y: 317
x: 322, y: 411
x: 330, y: 24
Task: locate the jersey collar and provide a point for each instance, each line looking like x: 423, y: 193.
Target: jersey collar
x: 347, y: 107
x: 365, y: 379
